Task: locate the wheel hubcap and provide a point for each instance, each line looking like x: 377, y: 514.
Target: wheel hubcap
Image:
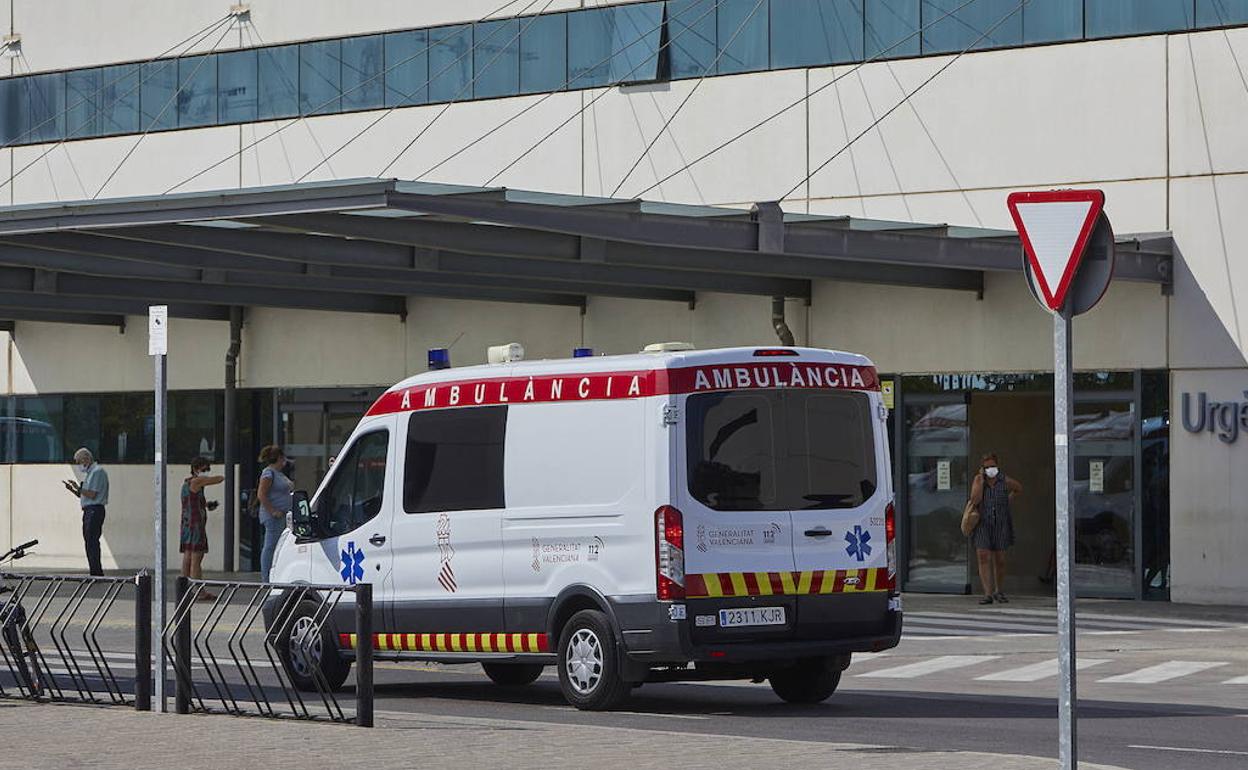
x: 584, y: 661
x: 305, y: 647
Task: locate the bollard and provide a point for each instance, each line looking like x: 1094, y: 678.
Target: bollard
x: 364, y: 655
x: 182, y: 649
x: 143, y: 641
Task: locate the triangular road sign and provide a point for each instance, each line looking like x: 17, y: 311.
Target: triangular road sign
x: 1054, y: 227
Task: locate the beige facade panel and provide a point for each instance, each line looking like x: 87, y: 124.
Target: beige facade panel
x: 1208, y: 102
x: 1209, y: 315
x: 726, y: 320
x: 365, y: 144
x: 82, y: 170
x: 1208, y: 529
x: 68, y: 358
x: 929, y: 330
x: 1132, y: 207
x: 308, y: 348
x: 760, y: 166
x: 976, y: 125
x: 469, y: 327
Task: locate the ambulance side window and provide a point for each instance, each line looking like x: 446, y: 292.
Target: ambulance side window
x: 455, y: 460
x: 354, y: 495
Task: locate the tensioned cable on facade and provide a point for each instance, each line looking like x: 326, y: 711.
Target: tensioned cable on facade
x: 193, y: 41
x: 705, y: 73
x: 566, y: 83
x: 298, y: 119
x: 295, y: 121
x: 600, y: 95
x: 173, y: 98
x: 466, y: 88
x: 805, y: 97
x: 906, y: 98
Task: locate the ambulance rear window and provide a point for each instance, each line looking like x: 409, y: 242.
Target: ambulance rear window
x: 769, y: 450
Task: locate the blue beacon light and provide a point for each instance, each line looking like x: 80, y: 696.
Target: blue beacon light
x: 439, y: 358
x: 582, y: 352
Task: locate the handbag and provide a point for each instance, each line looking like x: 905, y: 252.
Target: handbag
x: 970, y: 518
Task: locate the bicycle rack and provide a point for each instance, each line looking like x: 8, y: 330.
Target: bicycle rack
x: 240, y: 656
x: 42, y: 620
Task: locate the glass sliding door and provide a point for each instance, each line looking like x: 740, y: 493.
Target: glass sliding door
x: 936, y: 478
x: 1104, y: 494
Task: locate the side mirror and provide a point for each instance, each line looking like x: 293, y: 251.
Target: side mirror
x: 302, y: 521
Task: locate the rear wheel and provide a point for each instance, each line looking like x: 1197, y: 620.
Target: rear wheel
x: 589, y: 663
x: 309, y: 654
x: 513, y: 674
x: 810, y: 681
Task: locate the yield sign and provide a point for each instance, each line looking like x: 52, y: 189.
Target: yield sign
x: 1054, y: 227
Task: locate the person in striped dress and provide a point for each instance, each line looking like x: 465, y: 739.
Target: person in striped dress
x: 992, y: 492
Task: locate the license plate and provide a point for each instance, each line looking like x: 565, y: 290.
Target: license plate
x: 752, y: 616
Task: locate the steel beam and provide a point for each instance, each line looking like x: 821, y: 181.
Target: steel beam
x: 719, y: 234
x: 347, y: 194
x: 58, y: 317
x: 385, y: 260
x: 97, y: 305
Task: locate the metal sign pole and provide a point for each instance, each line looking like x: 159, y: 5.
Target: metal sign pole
x: 1063, y: 392
x: 157, y: 347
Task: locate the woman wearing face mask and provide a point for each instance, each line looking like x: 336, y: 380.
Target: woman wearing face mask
x: 194, y: 540
x: 991, y: 492
x: 276, y: 493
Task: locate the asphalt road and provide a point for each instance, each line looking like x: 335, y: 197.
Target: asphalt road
x: 1162, y: 687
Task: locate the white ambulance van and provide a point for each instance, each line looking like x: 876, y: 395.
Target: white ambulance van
x: 671, y: 515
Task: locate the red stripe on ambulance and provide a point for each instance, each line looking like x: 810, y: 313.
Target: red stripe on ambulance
x: 629, y: 384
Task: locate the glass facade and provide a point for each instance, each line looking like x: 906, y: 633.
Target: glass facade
x: 1120, y: 463
x: 633, y: 43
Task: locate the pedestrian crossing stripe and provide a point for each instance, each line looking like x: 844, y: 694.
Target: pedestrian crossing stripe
x: 531, y: 643
x: 714, y: 585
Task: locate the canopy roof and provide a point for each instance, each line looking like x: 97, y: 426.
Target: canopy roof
x: 364, y: 245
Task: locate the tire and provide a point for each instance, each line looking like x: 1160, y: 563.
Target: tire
x: 810, y: 681
x: 513, y: 674
x: 299, y: 664
x: 589, y: 663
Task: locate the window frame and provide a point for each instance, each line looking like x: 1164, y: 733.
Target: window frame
x: 347, y: 459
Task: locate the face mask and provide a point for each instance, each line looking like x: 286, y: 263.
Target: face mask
x: 201, y: 474
x: 992, y: 472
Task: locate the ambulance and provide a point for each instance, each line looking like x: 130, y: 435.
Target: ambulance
x: 672, y: 515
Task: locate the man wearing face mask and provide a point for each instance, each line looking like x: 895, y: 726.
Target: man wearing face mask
x: 92, y: 494
x: 991, y: 492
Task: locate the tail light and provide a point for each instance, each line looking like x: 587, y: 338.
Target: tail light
x: 890, y: 544
x: 669, y: 552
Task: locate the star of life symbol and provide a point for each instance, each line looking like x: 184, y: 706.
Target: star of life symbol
x: 352, y: 564
x: 858, y: 540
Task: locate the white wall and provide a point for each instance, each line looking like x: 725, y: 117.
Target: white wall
x: 1208, y: 487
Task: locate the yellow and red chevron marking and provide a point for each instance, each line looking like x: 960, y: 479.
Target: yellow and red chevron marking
x: 452, y: 642
x: 832, y: 581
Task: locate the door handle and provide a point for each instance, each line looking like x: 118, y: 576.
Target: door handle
x: 818, y: 532
x: 377, y: 540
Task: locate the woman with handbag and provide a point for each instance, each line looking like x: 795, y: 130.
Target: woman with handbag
x: 991, y: 493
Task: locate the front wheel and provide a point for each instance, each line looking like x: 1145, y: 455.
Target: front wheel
x: 310, y: 654
x: 513, y: 674
x: 589, y: 663
x: 810, y: 681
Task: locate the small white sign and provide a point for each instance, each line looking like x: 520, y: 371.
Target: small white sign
x: 158, y: 330
x: 943, y: 483
x: 1096, y: 477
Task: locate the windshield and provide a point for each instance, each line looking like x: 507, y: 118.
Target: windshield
x: 769, y: 450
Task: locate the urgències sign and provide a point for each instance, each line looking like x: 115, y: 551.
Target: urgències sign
x: 1225, y: 419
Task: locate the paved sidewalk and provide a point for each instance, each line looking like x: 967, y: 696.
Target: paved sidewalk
x: 65, y: 736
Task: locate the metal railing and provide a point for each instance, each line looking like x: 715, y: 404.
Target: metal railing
x: 271, y: 650
x: 68, y: 638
